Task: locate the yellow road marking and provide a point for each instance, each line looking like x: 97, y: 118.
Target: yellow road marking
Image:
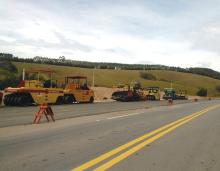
x: 143, y: 144
x: 135, y: 141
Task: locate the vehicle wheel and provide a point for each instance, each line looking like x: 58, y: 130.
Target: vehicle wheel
x: 153, y: 98
x: 10, y: 100
x: 91, y: 100
x: 15, y: 102
x: 60, y: 100
x: 68, y: 100
x: 6, y: 100
x: 19, y: 101
x: 26, y: 100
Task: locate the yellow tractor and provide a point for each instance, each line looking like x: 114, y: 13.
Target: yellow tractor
x: 33, y: 91
x: 152, y: 93
x: 77, y: 90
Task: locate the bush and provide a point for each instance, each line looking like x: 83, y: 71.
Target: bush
x: 9, y: 82
x: 202, y: 92
x: 147, y: 76
x: 7, y: 65
x: 164, y: 80
x: 218, y: 88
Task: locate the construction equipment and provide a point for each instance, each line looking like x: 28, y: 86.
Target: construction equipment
x: 170, y: 93
x: 77, y: 90
x: 152, y: 93
x: 32, y: 91
x: 132, y: 92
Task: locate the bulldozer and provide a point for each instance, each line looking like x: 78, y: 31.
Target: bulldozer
x: 152, y: 93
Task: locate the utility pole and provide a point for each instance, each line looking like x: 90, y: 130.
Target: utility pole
x: 93, y: 77
x: 23, y: 74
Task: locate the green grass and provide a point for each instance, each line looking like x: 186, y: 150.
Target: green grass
x: 4, y: 73
x: 108, y: 78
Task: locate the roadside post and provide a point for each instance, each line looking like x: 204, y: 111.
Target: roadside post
x: 170, y: 101
x: 195, y: 100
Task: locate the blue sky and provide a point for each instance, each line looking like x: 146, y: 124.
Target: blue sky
x: 183, y: 33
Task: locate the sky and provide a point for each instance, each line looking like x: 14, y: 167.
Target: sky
x: 184, y: 33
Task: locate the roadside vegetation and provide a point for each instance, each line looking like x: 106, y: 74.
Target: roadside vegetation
x: 62, y: 61
x: 114, y: 77
x: 109, y: 77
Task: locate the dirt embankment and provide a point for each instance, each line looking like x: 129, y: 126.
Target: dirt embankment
x: 103, y: 93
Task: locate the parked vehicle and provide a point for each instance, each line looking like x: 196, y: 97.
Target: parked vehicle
x: 152, y: 93
x: 32, y: 91
x: 170, y: 93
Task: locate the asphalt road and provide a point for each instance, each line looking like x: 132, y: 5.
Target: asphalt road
x: 191, y: 143
x: 10, y: 116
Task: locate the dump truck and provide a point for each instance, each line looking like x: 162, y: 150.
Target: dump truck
x: 31, y: 91
x: 152, y: 93
x: 170, y: 93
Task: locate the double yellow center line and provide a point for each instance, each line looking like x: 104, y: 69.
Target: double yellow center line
x: 138, y: 143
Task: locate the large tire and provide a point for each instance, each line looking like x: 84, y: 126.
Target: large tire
x: 19, y: 101
x: 60, y: 100
x: 153, y: 98
x: 25, y: 100
x: 91, y: 100
x: 10, y: 100
x: 6, y: 100
x: 15, y: 102
x: 68, y: 99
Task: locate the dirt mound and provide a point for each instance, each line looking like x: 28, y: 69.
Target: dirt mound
x: 103, y: 93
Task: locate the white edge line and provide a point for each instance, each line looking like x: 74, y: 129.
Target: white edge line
x: 121, y: 116
x: 115, y: 117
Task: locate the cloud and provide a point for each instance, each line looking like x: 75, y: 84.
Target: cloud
x: 172, y: 32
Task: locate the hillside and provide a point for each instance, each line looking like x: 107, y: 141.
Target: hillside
x: 62, y: 61
x: 108, y: 77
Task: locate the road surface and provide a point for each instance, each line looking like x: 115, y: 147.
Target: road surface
x: 11, y: 116
x: 184, y: 137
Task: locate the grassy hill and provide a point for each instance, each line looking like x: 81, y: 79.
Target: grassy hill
x: 108, y: 78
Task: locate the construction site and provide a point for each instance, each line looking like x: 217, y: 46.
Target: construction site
x: 32, y: 90
x: 109, y: 85
x: 72, y: 95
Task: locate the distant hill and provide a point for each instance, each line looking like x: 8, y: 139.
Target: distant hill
x: 8, y: 74
x: 109, y: 77
x: 62, y: 61
x: 113, y: 74
x: 7, y: 69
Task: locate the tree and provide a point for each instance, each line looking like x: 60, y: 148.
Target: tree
x: 218, y: 88
x: 147, y: 76
x: 202, y: 92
